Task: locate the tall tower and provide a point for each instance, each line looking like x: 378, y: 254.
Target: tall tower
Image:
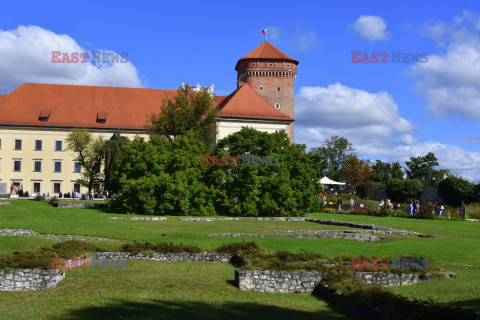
x: 272, y: 74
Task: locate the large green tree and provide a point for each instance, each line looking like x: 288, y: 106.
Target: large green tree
x: 112, y: 149
x: 89, y: 151
x: 424, y: 169
x: 385, y: 171
x: 335, y: 151
x: 287, y: 186
x: 456, y: 191
x: 188, y: 110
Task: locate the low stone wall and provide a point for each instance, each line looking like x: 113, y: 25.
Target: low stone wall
x: 139, y: 218
x: 4, y: 203
x: 306, y: 282
x: 79, y: 205
x: 205, y: 257
x: 30, y: 279
x: 31, y: 233
x: 334, y: 234
x: 367, y: 226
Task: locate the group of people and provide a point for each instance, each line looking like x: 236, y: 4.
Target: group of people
x: 74, y: 195
x: 414, y: 208
x: 389, y: 204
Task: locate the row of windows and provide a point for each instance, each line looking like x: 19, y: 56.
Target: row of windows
x: 57, y: 187
x: 261, y: 88
x: 38, y: 145
x: 37, y: 166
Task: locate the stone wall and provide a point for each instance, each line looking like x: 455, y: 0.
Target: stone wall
x: 4, y: 203
x: 334, y: 234
x: 30, y: 279
x: 306, y: 282
x: 79, y: 205
x: 139, y: 218
x: 206, y: 257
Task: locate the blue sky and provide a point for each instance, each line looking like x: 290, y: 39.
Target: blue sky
x: 390, y: 111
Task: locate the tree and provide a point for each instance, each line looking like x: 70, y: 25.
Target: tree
x: 112, y: 151
x: 288, y: 188
x: 357, y: 171
x: 423, y: 169
x: 385, y: 171
x: 188, y: 110
x: 456, y: 190
x: 336, y: 151
x: 400, y: 190
x: 90, y: 153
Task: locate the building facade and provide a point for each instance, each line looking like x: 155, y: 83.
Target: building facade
x: 35, y: 119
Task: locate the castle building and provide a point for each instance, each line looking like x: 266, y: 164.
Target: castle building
x: 35, y: 119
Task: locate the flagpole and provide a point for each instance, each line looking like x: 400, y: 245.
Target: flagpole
x: 265, y: 34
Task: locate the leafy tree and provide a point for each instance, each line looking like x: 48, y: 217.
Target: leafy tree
x: 423, y: 169
x: 400, y: 190
x: 336, y: 151
x: 385, y: 171
x: 163, y: 177
x: 89, y: 151
x: 366, y: 190
x: 112, y: 151
x: 289, y: 188
x: 188, y: 110
x: 456, y: 190
x: 357, y: 171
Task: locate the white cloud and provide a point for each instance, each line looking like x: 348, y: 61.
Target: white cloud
x: 372, y: 28
x: 373, y: 124
x: 25, y: 56
x: 450, y: 82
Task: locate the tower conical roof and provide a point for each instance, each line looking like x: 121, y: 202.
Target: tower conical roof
x: 267, y: 51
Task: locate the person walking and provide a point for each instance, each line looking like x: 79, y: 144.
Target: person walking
x: 352, y: 203
x: 339, y: 202
x: 410, y: 210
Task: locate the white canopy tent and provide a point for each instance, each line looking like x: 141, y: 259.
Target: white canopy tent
x: 326, y: 180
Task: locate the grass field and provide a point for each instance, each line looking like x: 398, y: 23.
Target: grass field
x: 204, y: 291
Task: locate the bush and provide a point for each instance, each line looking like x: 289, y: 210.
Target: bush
x: 39, y: 198
x: 162, y: 247
x: 53, y: 200
x: 42, y: 259
x: 400, y: 190
x: 237, y: 247
x: 366, y: 190
x: 426, y: 211
x: 455, y: 191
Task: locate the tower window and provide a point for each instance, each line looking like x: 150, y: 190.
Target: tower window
x: 278, y: 89
x: 277, y: 106
x: 261, y: 88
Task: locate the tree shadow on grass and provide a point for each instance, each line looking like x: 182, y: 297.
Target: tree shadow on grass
x: 158, y: 309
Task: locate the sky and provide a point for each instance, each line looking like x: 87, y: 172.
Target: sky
x: 427, y: 100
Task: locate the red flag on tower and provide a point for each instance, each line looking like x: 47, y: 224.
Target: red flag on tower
x: 265, y: 33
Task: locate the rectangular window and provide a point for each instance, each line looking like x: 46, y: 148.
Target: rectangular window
x: 76, y: 187
x: 0, y: 143
x: 17, y: 165
x: 38, y: 166
x: 77, y: 167
x: 18, y: 144
x: 278, y: 89
x: 36, y: 187
x: 38, y: 145
x: 58, y: 166
x: 261, y: 88
x: 58, y: 145
x: 56, y: 187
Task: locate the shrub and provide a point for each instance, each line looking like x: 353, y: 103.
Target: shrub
x: 236, y: 247
x: 162, y: 247
x: 366, y: 190
x: 455, y: 191
x: 74, y: 248
x: 426, y: 211
x: 39, y: 198
x: 53, y: 200
x: 400, y: 190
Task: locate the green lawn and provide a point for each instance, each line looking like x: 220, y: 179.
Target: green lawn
x: 204, y: 288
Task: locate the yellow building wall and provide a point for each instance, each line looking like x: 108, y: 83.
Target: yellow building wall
x: 28, y: 155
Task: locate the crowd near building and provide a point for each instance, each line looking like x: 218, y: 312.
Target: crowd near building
x: 35, y: 119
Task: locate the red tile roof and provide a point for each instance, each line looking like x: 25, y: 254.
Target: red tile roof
x: 247, y: 103
x: 81, y: 106
x: 268, y: 51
